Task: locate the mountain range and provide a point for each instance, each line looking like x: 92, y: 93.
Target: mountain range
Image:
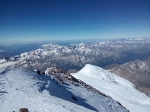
x: 42, y: 77
x: 75, y: 56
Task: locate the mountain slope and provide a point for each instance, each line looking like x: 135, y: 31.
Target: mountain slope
x: 39, y: 93
x: 137, y: 72
x: 116, y: 87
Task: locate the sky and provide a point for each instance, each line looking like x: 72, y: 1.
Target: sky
x: 26, y: 21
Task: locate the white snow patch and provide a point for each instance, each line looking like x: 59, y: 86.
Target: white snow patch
x: 2, y: 61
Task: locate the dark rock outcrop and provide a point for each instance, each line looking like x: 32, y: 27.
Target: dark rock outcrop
x: 23, y: 110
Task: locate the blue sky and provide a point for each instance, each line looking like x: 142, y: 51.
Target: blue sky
x: 26, y: 21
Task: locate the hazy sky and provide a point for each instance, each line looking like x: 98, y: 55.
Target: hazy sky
x: 37, y: 20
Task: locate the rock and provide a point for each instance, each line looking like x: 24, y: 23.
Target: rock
x: 23, y: 110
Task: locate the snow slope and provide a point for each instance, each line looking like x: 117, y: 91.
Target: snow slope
x: 116, y: 87
x: 39, y: 93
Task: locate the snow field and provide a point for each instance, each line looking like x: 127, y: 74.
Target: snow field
x: 114, y: 86
x: 25, y: 89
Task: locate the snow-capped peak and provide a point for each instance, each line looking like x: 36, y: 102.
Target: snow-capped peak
x: 122, y: 90
x: 95, y: 72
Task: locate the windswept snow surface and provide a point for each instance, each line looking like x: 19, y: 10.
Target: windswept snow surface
x: 25, y: 89
x: 116, y: 87
x: 4, y: 64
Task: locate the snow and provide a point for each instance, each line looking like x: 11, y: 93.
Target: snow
x: 44, y: 53
x: 116, y: 87
x: 23, y: 55
x: 2, y: 61
x: 6, y: 64
x: 25, y: 89
x: 19, y: 89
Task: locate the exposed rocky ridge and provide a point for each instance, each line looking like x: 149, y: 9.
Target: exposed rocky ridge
x: 40, y: 93
x: 137, y: 72
x: 60, y: 76
x: 75, y: 56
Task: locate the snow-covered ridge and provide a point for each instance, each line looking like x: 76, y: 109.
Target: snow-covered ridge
x: 61, y: 77
x: 39, y: 93
x: 95, y: 72
x: 122, y: 91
